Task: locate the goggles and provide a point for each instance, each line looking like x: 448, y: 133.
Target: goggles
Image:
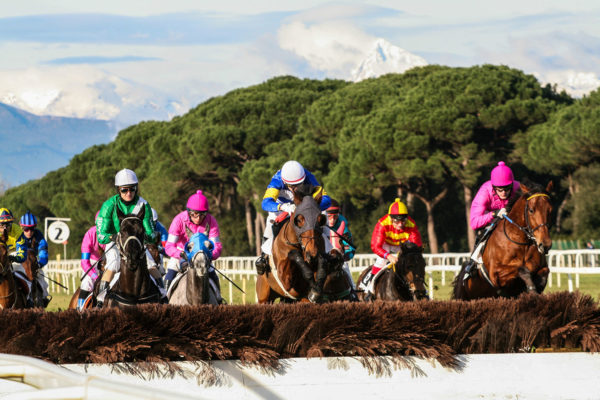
x: 197, y: 213
x: 398, y: 218
x: 505, y: 189
x: 127, y: 189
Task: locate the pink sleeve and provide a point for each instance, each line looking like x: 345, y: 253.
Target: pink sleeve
x: 214, y: 235
x: 87, y: 247
x: 175, y: 231
x: 480, y: 208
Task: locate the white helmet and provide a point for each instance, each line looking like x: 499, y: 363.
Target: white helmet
x: 292, y: 173
x: 154, y: 215
x: 126, y: 177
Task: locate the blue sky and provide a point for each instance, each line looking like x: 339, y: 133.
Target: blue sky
x: 127, y: 61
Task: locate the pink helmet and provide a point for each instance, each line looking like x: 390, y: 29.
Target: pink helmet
x: 197, y: 202
x: 502, y: 175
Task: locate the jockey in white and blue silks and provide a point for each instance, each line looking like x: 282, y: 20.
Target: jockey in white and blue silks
x: 279, y: 198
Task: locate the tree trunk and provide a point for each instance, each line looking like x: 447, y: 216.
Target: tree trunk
x: 468, y: 193
x: 430, y: 205
x: 258, y: 232
x: 249, y: 227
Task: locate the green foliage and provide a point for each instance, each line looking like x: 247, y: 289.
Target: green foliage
x: 426, y: 134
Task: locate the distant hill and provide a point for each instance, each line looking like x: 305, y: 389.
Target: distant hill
x: 43, y: 143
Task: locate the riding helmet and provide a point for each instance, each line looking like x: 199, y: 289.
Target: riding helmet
x: 292, y: 173
x: 28, y: 220
x: 502, y: 175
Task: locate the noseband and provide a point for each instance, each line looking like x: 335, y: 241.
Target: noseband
x: 527, y: 230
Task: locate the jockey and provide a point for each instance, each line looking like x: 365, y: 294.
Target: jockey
x: 129, y: 202
x: 161, y: 233
x: 489, y: 204
x: 91, y: 253
x: 28, y: 224
x: 279, y: 198
x: 392, y: 230
x: 338, y: 225
x: 195, y: 218
x: 16, y: 246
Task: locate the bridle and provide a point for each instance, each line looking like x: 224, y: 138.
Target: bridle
x: 129, y: 262
x: 527, y: 230
x: 416, y: 293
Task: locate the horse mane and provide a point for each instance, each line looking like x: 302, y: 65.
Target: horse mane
x: 304, y: 189
x: 533, y: 188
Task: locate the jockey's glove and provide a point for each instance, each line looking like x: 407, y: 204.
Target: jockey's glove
x: 287, y: 207
x: 500, y: 213
x: 182, y: 255
x: 12, y: 259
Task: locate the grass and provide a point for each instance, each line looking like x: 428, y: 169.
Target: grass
x: 589, y: 284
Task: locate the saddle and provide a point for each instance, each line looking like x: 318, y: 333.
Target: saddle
x: 279, y: 222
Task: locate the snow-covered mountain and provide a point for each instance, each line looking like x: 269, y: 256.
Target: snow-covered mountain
x: 34, y: 145
x: 384, y: 58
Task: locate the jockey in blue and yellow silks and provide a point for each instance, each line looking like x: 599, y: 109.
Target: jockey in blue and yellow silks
x: 28, y: 223
x: 10, y: 234
x: 279, y: 198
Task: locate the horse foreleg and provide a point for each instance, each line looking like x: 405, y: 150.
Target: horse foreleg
x: 307, y: 273
x: 525, y: 275
x: 540, y: 279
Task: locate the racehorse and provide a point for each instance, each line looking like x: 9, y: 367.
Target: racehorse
x: 10, y: 296
x: 514, y: 259
x: 31, y: 267
x: 299, y: 263
x: 91, y: 301
x: 403, y: 281
x: 134, y: 285
x: 194, y: 286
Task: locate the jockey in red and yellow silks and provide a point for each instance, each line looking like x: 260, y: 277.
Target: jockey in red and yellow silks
x: 393, y: 229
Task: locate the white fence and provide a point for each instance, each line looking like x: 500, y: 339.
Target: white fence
x: 440, y: 268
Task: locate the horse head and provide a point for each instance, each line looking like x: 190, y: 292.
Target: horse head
x: 130, y: 238
x: 308, y: 223
x: 5, y: 266
x: 198, y: 253
x: 536, y: 211
x: 411, y: 269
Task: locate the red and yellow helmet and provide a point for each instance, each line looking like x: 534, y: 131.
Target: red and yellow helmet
x: 398, y: 208
x: 6, y: 215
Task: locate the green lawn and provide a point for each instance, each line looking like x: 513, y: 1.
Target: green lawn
x: 589, y: 284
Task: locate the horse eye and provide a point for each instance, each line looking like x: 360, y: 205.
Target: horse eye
x: 531, y: 211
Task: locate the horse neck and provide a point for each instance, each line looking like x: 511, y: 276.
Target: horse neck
x: 517, y: 212
x: 197, y: 281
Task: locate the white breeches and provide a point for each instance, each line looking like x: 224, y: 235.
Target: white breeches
x: 382, y: 262
x: 267, y: 246
x: 87, y: 283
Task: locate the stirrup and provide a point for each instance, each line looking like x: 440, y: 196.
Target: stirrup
x: 261, y: 264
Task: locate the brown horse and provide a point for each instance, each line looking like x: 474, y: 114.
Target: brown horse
x: 404, y: 281
x: 514, y: 259
x: 99, y: 265
x: 303, y: 271
x: 134, y: 285
x: 10, y: 296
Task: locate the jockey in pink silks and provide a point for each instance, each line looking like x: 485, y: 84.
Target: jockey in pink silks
x: 489, y: 205
x: 91, y: 252
x: 196, y: 218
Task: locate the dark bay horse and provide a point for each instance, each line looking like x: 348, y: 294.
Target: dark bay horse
x: 300, y: 268
x: 31, y: 267
x: 404, y: 281
x: 194, y: 286
x: 134, y: 285
x: 514, y: 259
x: 10, y: 296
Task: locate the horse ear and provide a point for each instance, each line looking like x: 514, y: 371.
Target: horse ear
x: 120, y: 214
x: 142, y: 212
x: 299, y: 220
x: 188, y: 232
x: 524, y: 188
x: 318, y: 194
x: 550, y: 187
x: 321, y: 220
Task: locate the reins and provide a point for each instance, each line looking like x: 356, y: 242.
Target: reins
x: 527, y: 230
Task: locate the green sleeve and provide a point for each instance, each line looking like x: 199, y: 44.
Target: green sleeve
x: 105, y: 226
x: 149, y: 224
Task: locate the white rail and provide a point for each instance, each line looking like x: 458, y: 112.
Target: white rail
x: 573, y: 263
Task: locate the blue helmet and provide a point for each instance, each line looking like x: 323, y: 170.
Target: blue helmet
x: 28, y: 220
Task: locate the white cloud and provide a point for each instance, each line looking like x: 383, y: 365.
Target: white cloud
x: 335, y: 47
x: 576, y: 83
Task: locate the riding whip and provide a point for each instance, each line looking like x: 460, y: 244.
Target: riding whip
x: 96, y: 263
x: 232, y: 282
x: 52, y: 280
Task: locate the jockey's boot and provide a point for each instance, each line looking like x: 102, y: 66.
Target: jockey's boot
x: 470, y: 269
x: 83, y: 294
x: 102, y: 290
x: 261, y: 264
x: 367, y: 285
